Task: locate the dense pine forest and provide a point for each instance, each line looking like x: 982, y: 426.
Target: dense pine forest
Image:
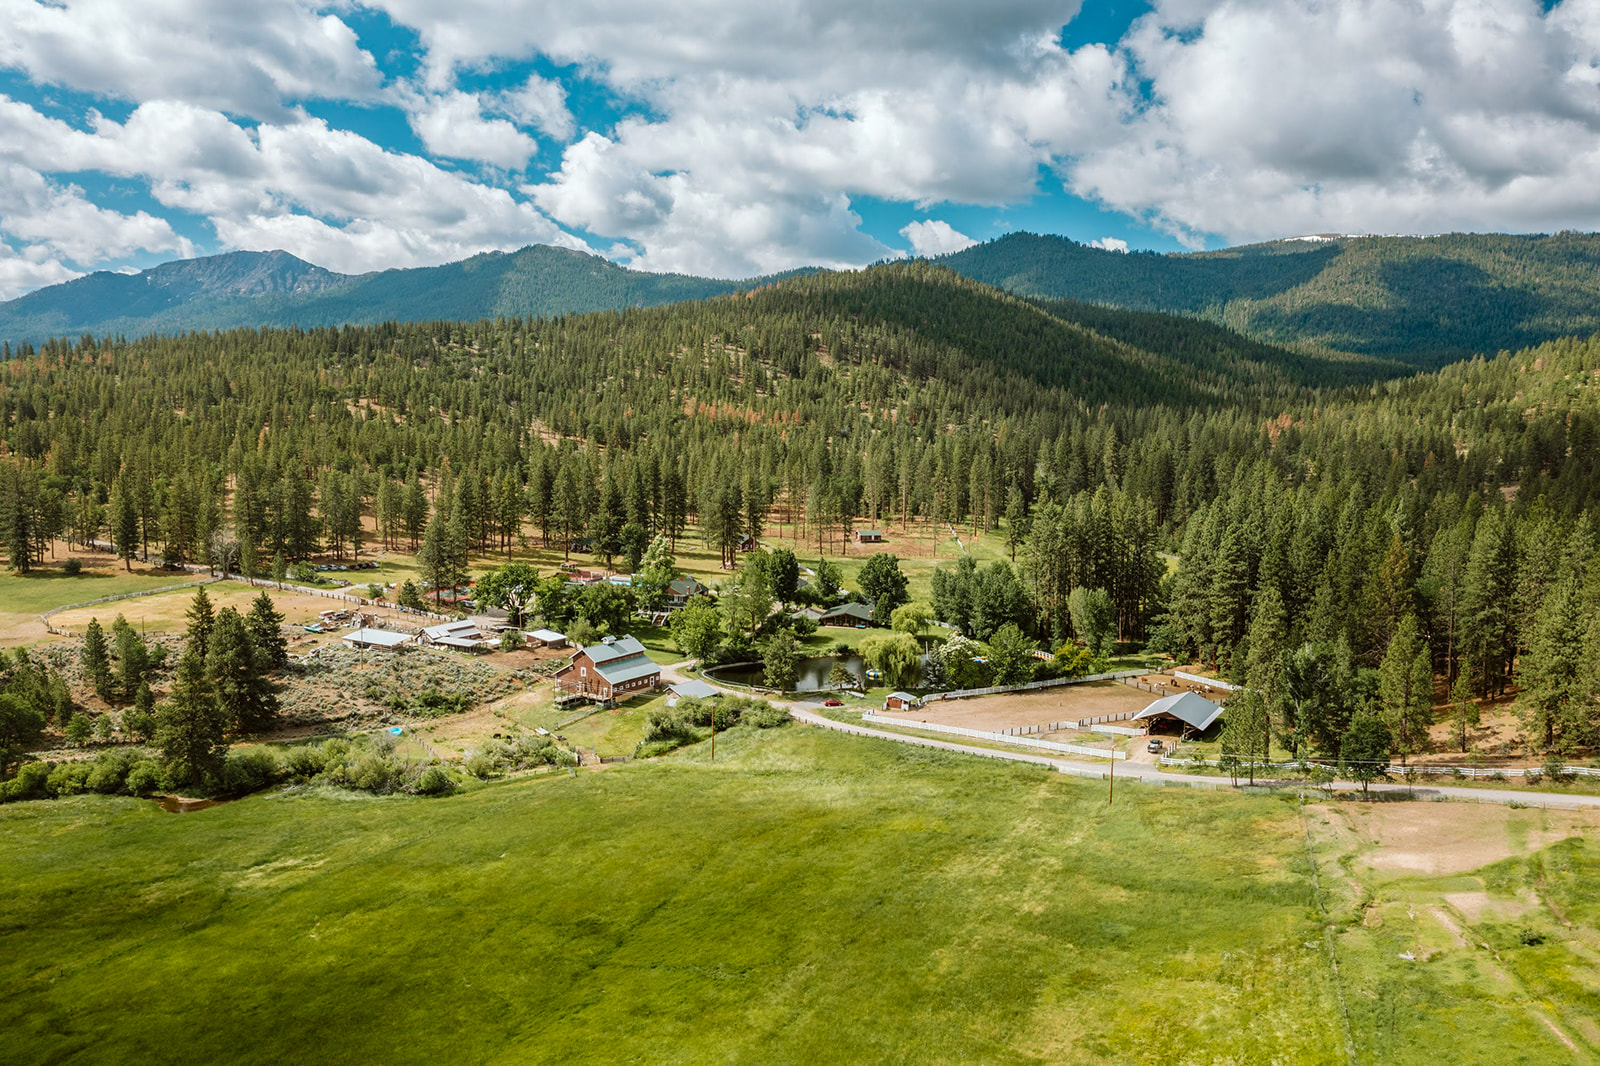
x: 1347, y: 536
x: 1425, y: 300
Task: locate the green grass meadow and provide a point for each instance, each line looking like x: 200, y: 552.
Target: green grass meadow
x: 808, y: 898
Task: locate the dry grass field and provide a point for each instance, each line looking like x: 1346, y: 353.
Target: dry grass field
x: 1042, y: 706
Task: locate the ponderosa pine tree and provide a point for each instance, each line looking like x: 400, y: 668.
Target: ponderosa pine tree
x: 201, y: 619
x: 247, y: 697
x: 1405, y: 688
x: 265, y: 623
x: 96, y: 659
x: 190, y: 725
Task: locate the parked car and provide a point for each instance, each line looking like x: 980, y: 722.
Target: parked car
x: 833, y: 701
x: 1155, y: 747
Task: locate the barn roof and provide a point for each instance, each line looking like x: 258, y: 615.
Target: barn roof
x: 1190, y: 708
x: 377, y: 638
x: 611, y: 650
x: 627, y: 670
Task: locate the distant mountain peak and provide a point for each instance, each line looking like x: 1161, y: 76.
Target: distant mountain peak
x: 243, y: 273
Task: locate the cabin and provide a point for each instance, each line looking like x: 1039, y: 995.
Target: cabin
x: 612, y: 670
x: 900, y: 701
x: 457, y: 636
x: 869, y: 536
x: 748, y: 543
x: 377, y: 638
x: 681, y: 590
x: 1188, y: 712
x: 850, y: 614
x: 545, y: 638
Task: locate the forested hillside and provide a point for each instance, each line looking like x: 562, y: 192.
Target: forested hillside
x: 257, y: 289
x: 1424, y: 300
x: 1338, y: 529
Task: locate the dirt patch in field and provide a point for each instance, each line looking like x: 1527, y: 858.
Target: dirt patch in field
x: 1474, y: 906
x: 1039, y: 707
x: 164, y: 612
x: 1447, y: 838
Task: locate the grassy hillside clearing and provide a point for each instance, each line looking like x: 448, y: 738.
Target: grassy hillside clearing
x: 809, y: 898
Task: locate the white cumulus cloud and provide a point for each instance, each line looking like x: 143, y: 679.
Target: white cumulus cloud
x: 935, y: 237
x: 1110, y: 244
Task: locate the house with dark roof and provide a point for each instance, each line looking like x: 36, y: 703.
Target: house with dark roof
x: 846, y: 614
x: 681, y: 590
x: 612, y: 670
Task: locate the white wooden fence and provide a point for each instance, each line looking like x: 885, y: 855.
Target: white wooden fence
x: 45, y: 618
x: 1198, y: 680
x: 978, y: 734
x: 1054, y: 682
x: 1117, y: 731
x: 1424, y: 769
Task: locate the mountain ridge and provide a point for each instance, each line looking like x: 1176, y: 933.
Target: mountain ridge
x: 1425, y: 301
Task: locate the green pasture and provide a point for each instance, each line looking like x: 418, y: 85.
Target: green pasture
x: 807, y: 898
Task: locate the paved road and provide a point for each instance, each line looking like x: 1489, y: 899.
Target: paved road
x: 1154, y: 775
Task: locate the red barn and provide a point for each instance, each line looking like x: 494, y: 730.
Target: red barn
x: 611, y: 670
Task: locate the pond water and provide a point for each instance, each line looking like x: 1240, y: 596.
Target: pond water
x: 813, y: 676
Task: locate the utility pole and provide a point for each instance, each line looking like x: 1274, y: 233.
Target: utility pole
x: 1112, y: 787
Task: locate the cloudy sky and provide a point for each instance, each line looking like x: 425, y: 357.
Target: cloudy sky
x: 734, y: 138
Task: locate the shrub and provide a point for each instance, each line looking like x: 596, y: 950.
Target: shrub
x: 805, y: 626
x: 665, y: 724
x: 31, y: 782
x: 144, y: 778
x: 1555, y: 768
x: 304, y: 760
x: 1530, y: 938
x: 110, y: 772
x: 481, y: 765
x: 79, y: 728
x: 764, y: 715
x: 434, y: 782
x: 69, y: 778
x: 250, y: 771
x: 72, y: 567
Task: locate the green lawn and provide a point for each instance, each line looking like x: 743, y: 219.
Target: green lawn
x: 808, y: 898
x: 24, y: 597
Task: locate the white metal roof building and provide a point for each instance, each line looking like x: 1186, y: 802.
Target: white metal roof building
x: 376, y: 638
x: 1189, y: 708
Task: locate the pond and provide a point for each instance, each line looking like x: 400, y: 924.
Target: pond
x: 813, y: 672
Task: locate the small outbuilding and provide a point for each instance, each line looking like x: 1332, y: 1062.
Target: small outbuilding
x: 377, y: 638
x: 694, y: 690
x: 546, y: 638
x: 1189, y: 711
x: 458, y: 636
x: 900, y: 701
x: 869, y: 536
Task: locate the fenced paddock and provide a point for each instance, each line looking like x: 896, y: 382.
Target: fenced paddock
x: 979, y: 734
x: 1035, y: 711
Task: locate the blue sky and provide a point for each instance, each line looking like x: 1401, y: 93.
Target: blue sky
x: 732, y: 139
